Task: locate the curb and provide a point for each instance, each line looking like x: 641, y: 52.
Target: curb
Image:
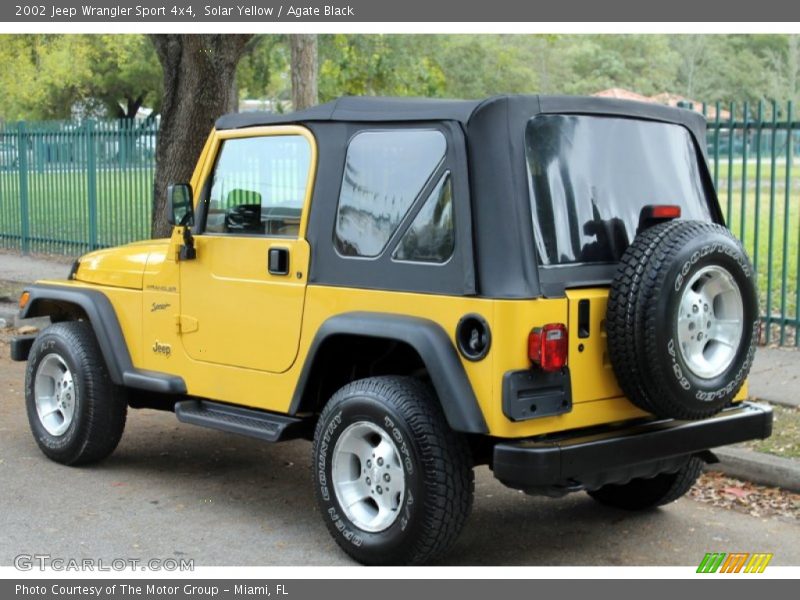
x: 776, y: 401
x: 757, y: 467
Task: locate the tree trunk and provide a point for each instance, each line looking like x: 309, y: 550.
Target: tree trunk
x: 199, y: 83
x: 304, y: 70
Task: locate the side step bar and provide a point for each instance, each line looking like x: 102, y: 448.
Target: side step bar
x: 270, y: 427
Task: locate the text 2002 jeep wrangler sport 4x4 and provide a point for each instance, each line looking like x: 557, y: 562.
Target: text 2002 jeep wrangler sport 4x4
x: 540, y: 284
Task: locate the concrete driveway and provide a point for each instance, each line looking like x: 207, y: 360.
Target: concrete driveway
x: 176, y: 491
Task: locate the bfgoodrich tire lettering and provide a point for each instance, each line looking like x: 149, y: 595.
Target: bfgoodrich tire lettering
x: 100, y: 407
x: 435, y: 463
x: 647, y: 346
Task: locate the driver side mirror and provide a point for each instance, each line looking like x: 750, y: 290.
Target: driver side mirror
x: 180, y: 210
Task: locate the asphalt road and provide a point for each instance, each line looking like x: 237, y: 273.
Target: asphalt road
x: 177, y: 491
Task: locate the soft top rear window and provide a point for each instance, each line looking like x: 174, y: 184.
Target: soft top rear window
x: 590, y: 177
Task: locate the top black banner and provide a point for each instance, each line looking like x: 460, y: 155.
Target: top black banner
x: 441, y: 11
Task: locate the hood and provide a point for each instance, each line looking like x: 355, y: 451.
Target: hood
x: 122, y: 266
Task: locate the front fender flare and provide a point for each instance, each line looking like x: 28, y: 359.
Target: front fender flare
x: 103, y: 319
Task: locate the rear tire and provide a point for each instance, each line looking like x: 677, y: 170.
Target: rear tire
x: 642, y: 494
x: 76, y: 413
x: 393, y: 482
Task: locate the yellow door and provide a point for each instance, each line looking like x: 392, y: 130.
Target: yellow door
x: 242, y: 296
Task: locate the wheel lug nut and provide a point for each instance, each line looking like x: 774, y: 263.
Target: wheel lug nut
x: 705, y: 307
x: 700, y: 336
x: 380, y: 462
x: 369, y: 481
x: 386, y: 477
x: 694, y: 308
x: 379, y: 489
x: 369, y: 464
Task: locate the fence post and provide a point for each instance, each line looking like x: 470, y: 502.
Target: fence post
x: 91, y: 183
x: 122, y: 143
x: 757, y: 224
x: 716, y: 145
x: 38, y: 154
x: 731, y: 131
x: 771, y: 230
x: 745, y: 143
x: 24, y: 214
x: 786, y: 208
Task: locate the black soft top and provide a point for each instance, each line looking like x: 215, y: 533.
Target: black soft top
x: 361, y: 109
x: 499, y: 242
x: 375, y: 109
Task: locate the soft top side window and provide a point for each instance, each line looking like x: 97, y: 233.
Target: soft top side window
x: 385, y: 172
x: 431, y: 236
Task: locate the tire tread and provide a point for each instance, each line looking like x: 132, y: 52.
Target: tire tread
x: 446, y: 457
x: 105, y: 403
x: 632, y: 321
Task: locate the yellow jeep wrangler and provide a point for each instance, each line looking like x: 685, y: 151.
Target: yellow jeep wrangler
x: 541, y: 284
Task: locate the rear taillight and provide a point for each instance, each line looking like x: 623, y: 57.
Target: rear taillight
x: 653, y: 214
x: 548, y: 346
x: 665, y: 211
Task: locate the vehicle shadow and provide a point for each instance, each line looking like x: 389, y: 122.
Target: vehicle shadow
x: 253, y: 483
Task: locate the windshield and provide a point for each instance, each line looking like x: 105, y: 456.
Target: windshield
x: 590, y: 176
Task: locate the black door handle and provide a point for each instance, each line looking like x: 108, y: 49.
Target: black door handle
x: 278, y: 261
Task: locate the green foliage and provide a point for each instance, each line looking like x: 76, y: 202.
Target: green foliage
x: 125, y: 73
x: 47, y: 76
x: 263, y: 70
x: 389, y: 65
x: 41, y: 76
x: 476, y: 66
x: 701, y: 67
x: 642, y: 63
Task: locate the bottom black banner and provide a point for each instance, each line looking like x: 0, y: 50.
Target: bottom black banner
x: 380, y: 589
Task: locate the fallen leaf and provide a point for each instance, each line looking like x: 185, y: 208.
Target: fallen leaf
x: 736, y: 491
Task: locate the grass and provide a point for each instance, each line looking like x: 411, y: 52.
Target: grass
x: 785, y: 439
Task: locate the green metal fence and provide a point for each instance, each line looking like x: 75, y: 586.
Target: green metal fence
x: 753, y: 154
x: 68, y: 187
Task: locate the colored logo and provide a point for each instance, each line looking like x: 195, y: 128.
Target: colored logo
x: 735, y: 562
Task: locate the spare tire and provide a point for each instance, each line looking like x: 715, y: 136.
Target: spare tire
x: 682, y: 319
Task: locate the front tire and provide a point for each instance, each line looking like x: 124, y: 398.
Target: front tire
x: 646, y: 493
x: 393, y: 482
x: 76, y: 413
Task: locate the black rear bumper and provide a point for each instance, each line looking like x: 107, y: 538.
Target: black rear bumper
x: 618, y: 455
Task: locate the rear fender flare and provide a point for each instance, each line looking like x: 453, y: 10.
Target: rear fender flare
x: 432, y: 344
